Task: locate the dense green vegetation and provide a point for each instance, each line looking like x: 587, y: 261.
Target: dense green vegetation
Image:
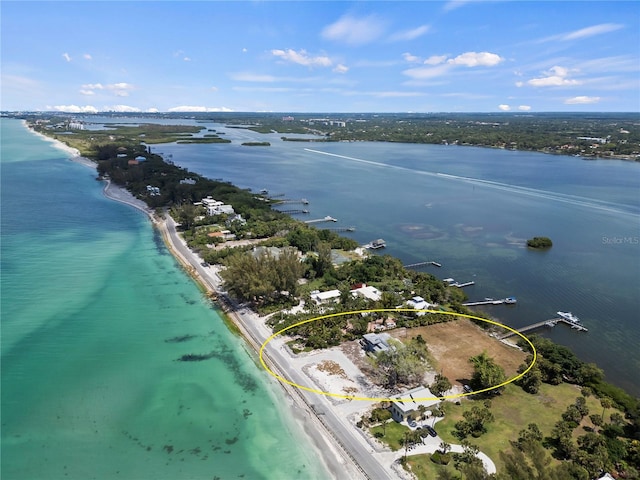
x: 539, y: 242
x: 486, y: 374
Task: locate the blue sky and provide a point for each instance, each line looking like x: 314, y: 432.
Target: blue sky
x: 303, y: 56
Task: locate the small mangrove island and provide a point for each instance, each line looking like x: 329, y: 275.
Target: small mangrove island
x: 539, y: 243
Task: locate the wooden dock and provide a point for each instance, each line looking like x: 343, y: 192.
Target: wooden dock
x: 342, y: 229
x: 320, y: 220
x: 491, y: 301
x: 421, y: 264
x: 546, y: 323
x: 287, y: 201
x: 294, y: 211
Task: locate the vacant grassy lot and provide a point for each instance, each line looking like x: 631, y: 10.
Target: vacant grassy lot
x: 451, y: 344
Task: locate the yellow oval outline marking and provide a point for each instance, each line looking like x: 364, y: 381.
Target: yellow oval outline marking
x: 384, y: 399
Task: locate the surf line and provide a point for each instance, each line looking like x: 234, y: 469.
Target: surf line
x: 531, y: 192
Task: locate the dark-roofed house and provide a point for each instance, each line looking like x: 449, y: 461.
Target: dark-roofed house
x: 375, y: 342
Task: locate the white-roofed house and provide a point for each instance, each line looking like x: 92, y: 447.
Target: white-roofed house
x: 325, y: 297
x: 419, y: 303
x: 366, y: 291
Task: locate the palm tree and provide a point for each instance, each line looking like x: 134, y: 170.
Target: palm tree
x: 445, y: 447
x: 606, y: 403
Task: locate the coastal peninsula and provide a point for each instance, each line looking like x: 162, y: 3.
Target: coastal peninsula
x: 254, y: 327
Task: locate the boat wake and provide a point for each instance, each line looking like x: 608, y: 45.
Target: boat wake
x: 531, y: 192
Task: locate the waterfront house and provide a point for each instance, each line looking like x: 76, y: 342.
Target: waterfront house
x: 406, y: 406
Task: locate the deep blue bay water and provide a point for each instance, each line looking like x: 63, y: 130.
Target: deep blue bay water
x: 472, y: 209
x: 92, y: 305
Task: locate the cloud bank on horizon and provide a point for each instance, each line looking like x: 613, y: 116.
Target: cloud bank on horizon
x: 404, y: 56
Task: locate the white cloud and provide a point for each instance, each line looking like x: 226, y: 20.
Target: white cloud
x: 555, y: 77
x: 504, y: 108
x: 187, y: 59
x: 423, y: 73
x: 66, y: 57
x: 120, y: 86
x: 410, y: 58
x: 524, y: 108
x: 119, y: 89
x: 341, y: 68
x: 439, y: 65
x: 475, y: 59
x: 152, y: 110
x: 354, y: 31
x: 591, y: 31
x: 302, y: 58
x: 214, y: 89
x: 581, y: 100
x: 73, y: 108
x: 87, y: 56
x: 410, y: 34
x: 190, y: 108
x: 435, y: 60
x: 120, y: 108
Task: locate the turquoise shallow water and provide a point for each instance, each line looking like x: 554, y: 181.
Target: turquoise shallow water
x: 92, y: 304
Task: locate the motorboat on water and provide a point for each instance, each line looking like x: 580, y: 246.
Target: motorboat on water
x: 569, y: 316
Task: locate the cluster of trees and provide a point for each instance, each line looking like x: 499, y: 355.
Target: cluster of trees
x: 403, y: 364
x: 486, y: 374
x: 306, y: 238
x: 474, y: 422
x: 263, y: 278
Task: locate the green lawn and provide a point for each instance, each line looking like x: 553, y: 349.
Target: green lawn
x: 513, y: 411
x: 393, y: 433
x: 425, y: 469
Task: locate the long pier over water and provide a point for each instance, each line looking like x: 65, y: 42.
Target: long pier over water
x: 546, y: 323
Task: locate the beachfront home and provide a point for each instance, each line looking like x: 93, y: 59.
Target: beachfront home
x: 406, y: 406
x: 366, y: 291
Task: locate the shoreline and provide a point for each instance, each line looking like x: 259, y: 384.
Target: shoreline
x: 334, y: 456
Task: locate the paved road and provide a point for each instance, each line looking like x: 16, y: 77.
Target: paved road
x: 350, y: 441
